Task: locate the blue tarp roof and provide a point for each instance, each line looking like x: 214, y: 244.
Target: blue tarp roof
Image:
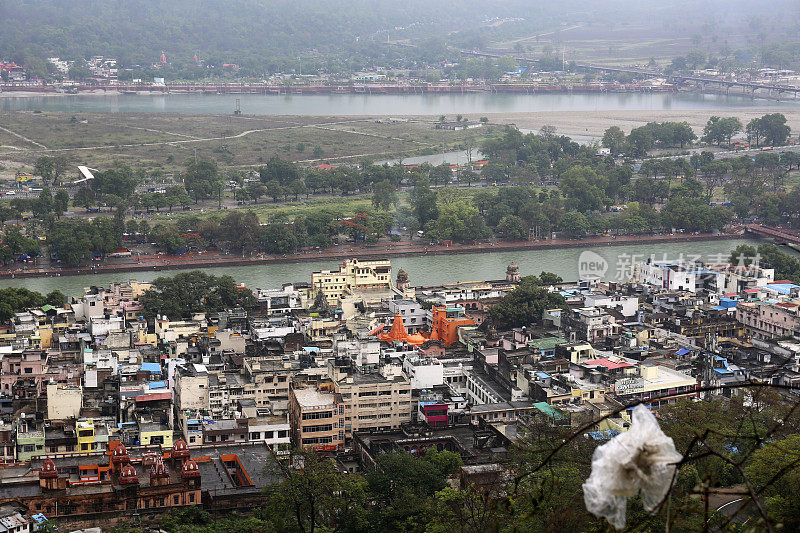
x: 782, y: 288
x: 153, y: 368
x: 158, y: 385
x: 682, y: 351
x: 543, y: 375
x: 603, y: 435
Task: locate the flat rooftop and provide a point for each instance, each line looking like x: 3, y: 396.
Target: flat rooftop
x: 310, y: 398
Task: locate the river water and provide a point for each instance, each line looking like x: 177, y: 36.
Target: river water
x: 427, y: 270
x: 346, y: 104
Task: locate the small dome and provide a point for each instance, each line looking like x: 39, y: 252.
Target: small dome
x: 120, y: 454
x: 190, y: 469
x: 180, y: 449
x: 128, y: 475
x: 48, y: 469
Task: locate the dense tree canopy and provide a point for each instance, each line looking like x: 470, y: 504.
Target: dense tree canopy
x: 525, y: 305
x: 194, y: 292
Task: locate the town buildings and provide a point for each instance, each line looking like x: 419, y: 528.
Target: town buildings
x: 103, y: 411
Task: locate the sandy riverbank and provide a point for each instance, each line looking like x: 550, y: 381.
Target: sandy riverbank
x: 594, y: 123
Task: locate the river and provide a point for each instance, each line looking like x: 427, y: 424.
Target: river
x: 430, y: 270
x: 401, y: 105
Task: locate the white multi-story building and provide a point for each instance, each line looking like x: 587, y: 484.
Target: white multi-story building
x: 411, y: 311
x: 278, y: 302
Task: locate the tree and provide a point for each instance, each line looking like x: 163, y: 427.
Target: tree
x: 790, y: 160
x: 775, y: 470
x: 241, y: 230
x: 468, y: 176
x: 574, y: 224
x: 84, y: 197
x: 120, y: 181
x: 402, y: 484
x: 44, y: 204
x: 316, y: 180
x: 193, y: 292
x: 423, y: 203
x: 255, y: 191
x: 199, y: 179
x: 274, y: 190
x: 298, y: 187
x: 277, y: 169
x: 313, y: 494
x: 44, y: 167
x: 384, y: 195
x: 682, y: 133
x: 61, y: 202
x: 720, y: 130
x: 60, y: 165
x: 512, y: 228
x: 640, y: 140
x: 525, y: 305
x: 460, y: 222
x: 754, y: 130
x: 614, y: 140
x: 775, y: 129
x: 14, y: 300
x: 441, y: 175
x: 278, y: 238
x: 584, y: 187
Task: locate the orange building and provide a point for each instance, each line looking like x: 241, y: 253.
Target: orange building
x: 398, y: 333
x: 446, y: 321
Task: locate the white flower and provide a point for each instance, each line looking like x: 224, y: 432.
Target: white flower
x: 640, y: 459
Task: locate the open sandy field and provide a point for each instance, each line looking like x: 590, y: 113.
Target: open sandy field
x: 594, y: 123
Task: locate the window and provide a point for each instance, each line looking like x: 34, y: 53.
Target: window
x: 255, y: 435
x: 317, y: 415
x: 316, y: 429
x: 175, y: 500
x: 29, y: 370
x: 191, y: 497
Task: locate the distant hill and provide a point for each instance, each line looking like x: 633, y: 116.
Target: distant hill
x: 263, y: 36
x: 251, y: 33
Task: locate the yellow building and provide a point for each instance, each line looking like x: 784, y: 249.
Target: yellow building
x: 155, y: 433
x: 23, y: 177
x: 91, y: 435
x: 354, y: 277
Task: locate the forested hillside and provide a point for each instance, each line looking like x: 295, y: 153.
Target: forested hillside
x: 266, y: 36
x: 252, y: 33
